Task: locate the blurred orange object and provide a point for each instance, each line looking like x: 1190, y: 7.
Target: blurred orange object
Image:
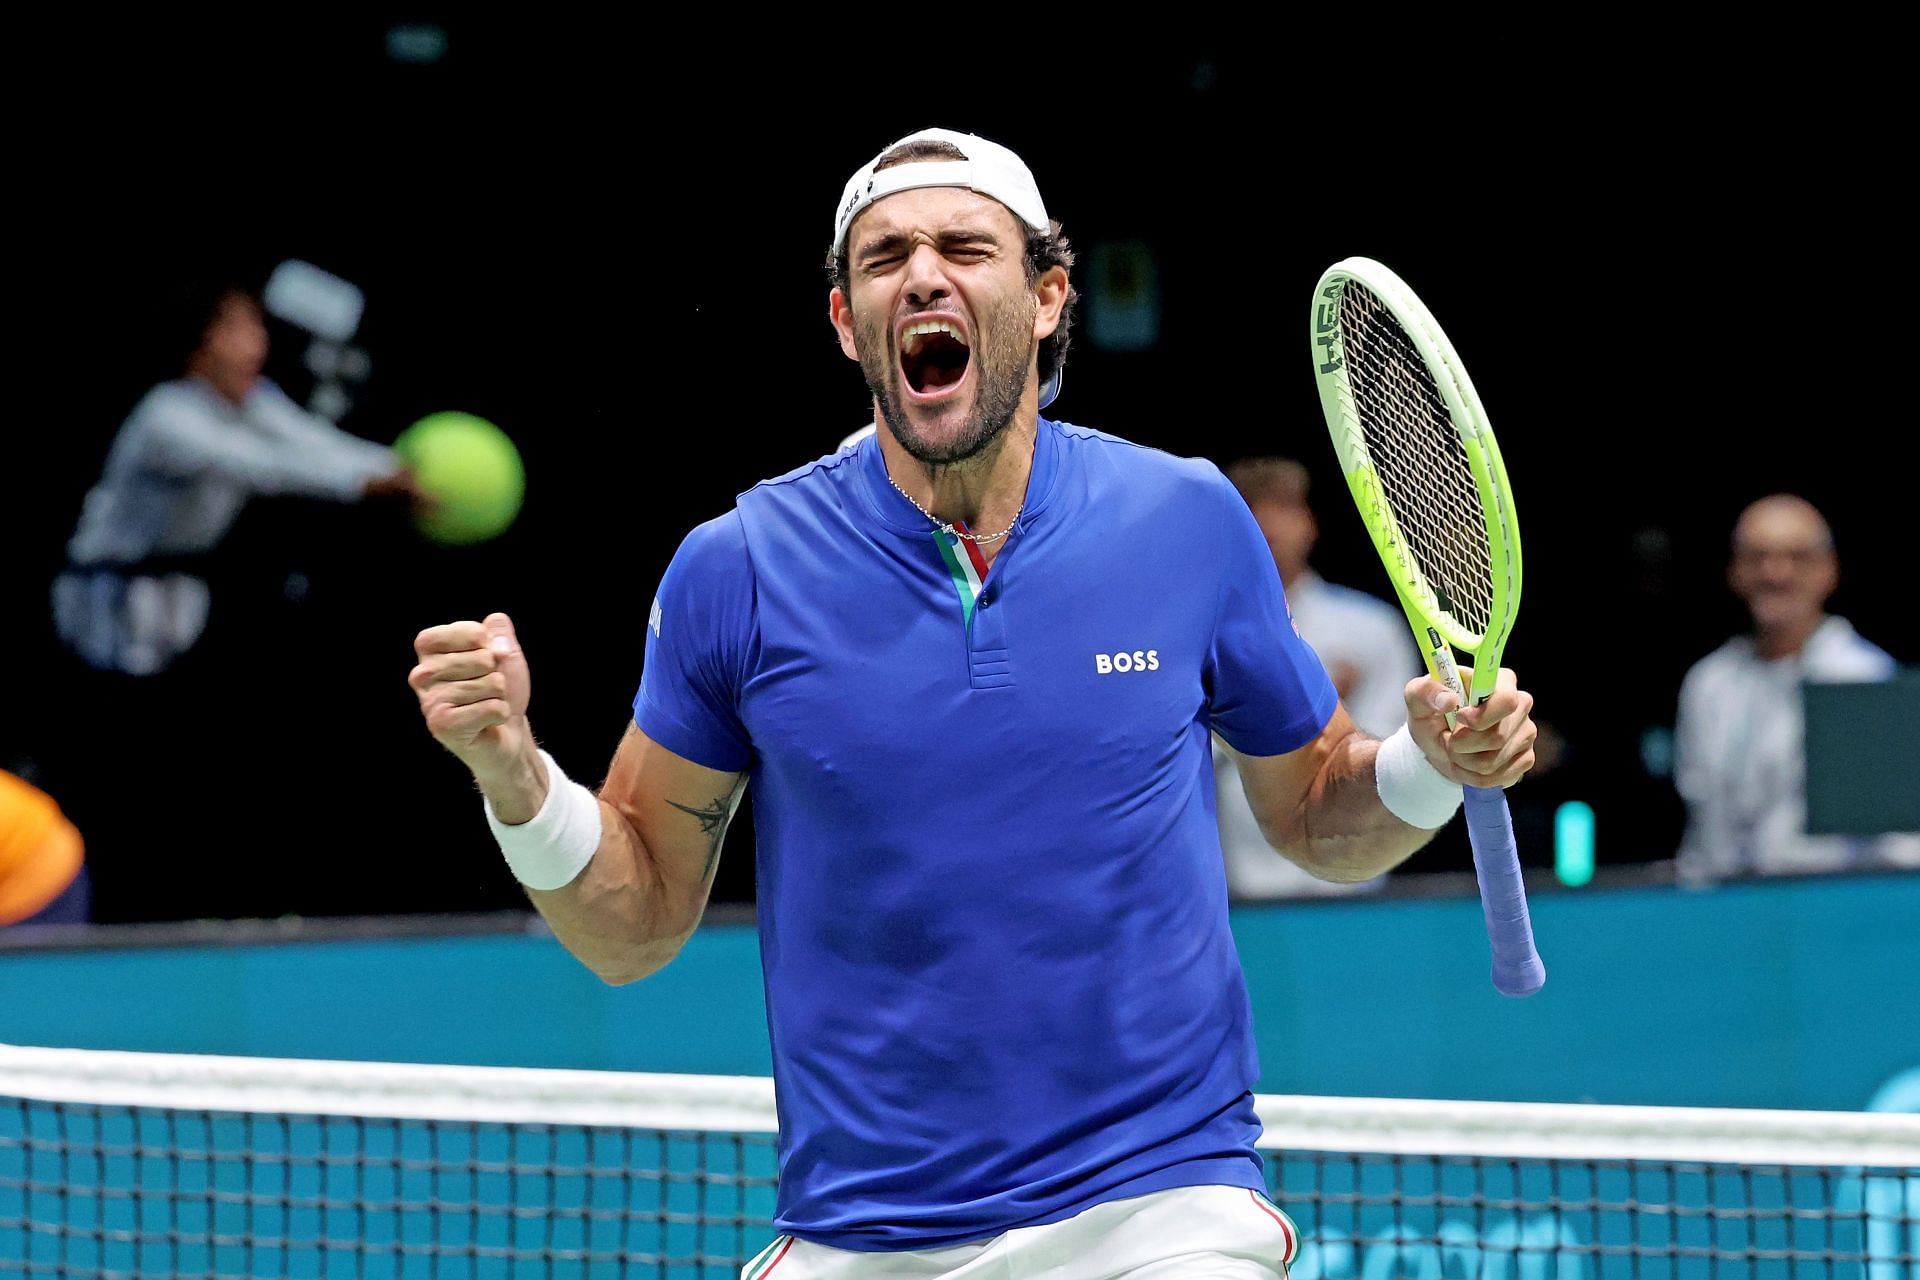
x: 40, y: 850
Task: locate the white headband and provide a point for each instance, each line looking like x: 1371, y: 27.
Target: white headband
x: 989, y: 168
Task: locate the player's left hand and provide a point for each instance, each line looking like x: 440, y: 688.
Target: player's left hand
x: 1490, y: 745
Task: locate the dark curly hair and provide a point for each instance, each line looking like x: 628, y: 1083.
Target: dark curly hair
x: 1045, y: 250
x: 185, y: 308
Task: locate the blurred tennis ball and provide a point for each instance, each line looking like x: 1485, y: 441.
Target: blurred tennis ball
x: 471, y: 470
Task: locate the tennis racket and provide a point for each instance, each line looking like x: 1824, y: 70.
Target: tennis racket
x: 1426, y: 473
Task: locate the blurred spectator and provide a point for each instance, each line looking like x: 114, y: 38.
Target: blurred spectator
x: 1738, y: 755
x: 42, y: 876
x: 1363, y: 641
x: 134, y: 597
x: 149, y: 728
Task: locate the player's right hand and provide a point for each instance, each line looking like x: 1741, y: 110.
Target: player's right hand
x: 473, y: 686
x: 1490, y: 745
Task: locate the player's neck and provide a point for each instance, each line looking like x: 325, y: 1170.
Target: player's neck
x: 985, y: 492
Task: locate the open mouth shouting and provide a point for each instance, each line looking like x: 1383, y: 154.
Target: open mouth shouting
x: 934, y: 357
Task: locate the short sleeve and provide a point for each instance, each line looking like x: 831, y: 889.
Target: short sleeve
x: 1268, y: 692
x: 700, y: 641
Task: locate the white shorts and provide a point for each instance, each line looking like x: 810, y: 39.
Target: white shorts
x: 1189, y: 1233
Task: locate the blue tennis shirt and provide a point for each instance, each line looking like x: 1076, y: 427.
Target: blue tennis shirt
x: 993, y: 915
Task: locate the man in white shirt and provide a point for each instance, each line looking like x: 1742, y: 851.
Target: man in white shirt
x: 1363, y: 641
x: 1739, y: 758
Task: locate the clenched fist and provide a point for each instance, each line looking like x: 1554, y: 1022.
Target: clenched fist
x: 473, y: 686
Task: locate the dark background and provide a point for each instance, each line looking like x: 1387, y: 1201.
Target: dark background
x: 1672, y: 281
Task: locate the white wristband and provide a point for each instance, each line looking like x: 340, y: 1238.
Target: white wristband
x: 1412, y: 789
x: 555, y: 845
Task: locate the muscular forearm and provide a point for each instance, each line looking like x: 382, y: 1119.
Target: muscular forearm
x: 614, y: 915
x: 1339, y: 830
x: 623, y: 876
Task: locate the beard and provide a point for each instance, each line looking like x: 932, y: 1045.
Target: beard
x: 998, y: 363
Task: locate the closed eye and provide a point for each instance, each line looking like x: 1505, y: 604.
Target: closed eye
x: 888, y: 251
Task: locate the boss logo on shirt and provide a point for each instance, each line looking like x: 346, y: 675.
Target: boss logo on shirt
x: 1139, y: 660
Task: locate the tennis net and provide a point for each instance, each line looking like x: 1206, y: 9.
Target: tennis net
x: 150, y: 1165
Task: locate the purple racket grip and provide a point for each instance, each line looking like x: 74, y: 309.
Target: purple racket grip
x: 1517, y: 970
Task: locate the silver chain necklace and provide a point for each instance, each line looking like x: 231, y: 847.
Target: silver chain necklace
x: 946, y: 526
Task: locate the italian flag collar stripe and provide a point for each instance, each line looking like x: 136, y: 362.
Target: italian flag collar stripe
x: 973, y: 554
x: 966, y: 564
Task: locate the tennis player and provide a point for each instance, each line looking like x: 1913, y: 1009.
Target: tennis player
x: 970, y: 665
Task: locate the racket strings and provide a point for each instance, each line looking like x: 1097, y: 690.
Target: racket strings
x: 1416, y: 453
